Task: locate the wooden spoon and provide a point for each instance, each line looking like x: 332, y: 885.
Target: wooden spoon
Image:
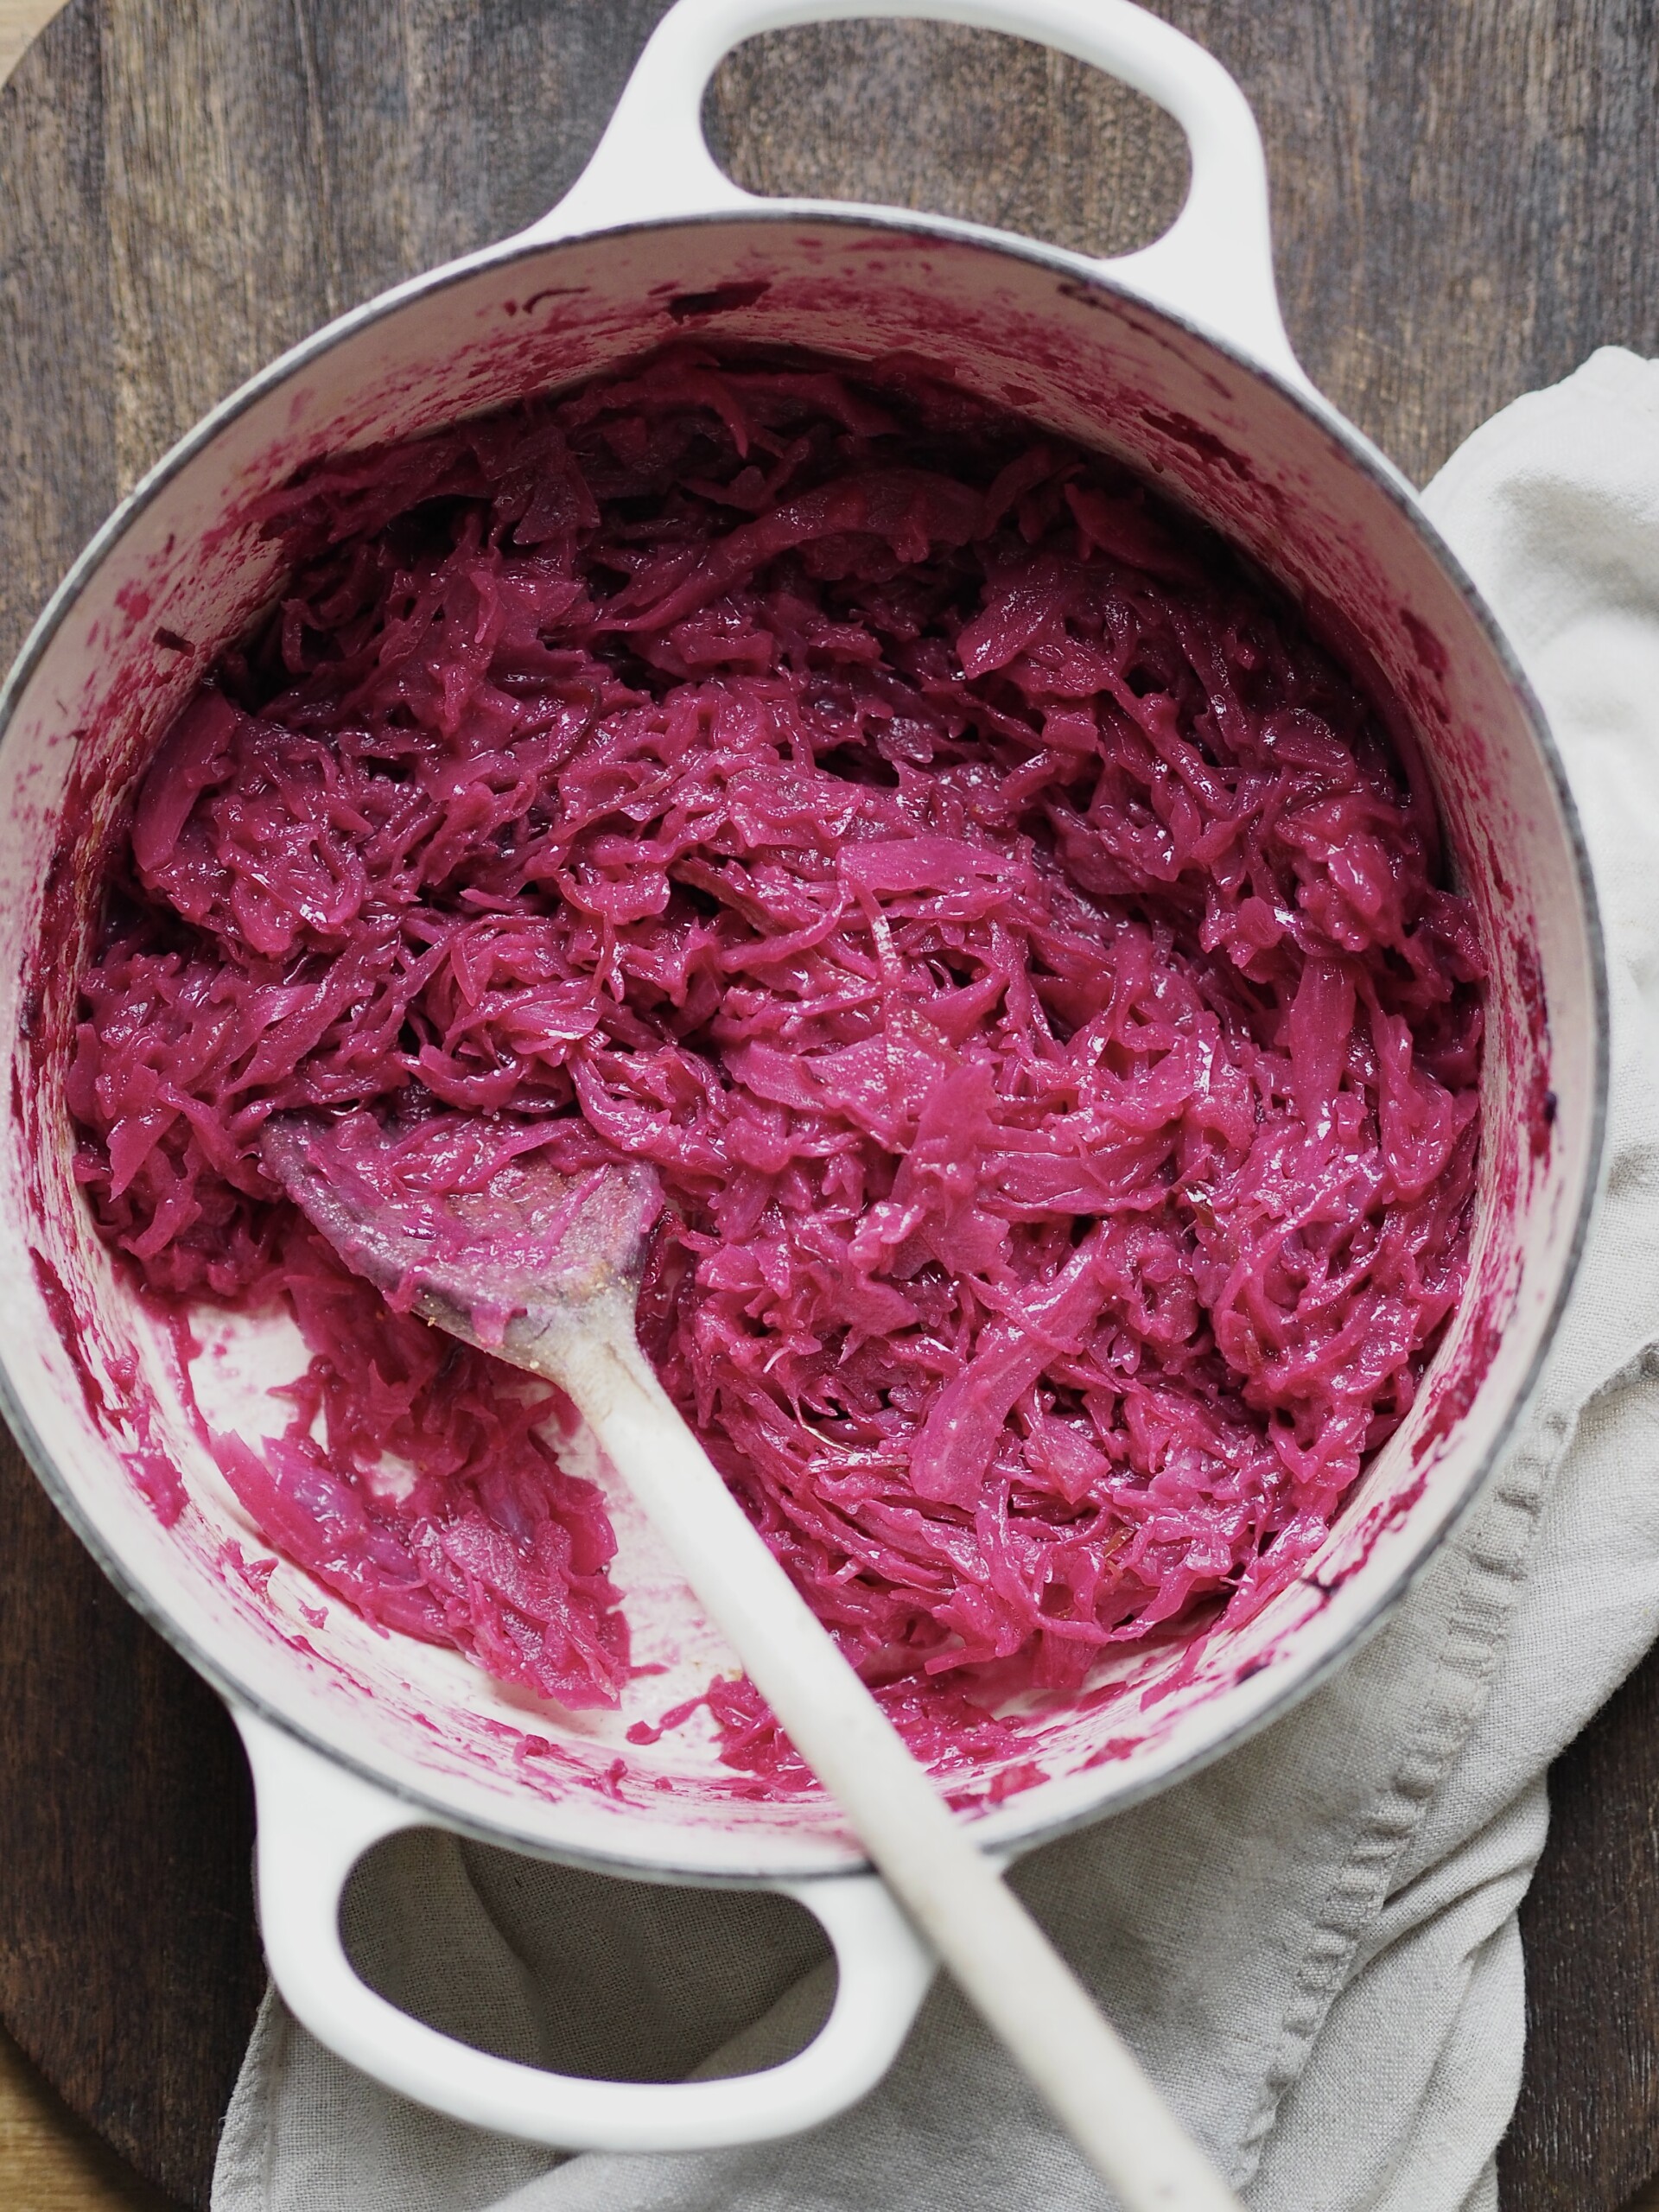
x: 543, y: 1270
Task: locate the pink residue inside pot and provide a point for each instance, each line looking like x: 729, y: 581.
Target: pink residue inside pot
x: 1008, y: 936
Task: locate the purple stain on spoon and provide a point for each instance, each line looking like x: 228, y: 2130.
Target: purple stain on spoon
x: 456, y: 1218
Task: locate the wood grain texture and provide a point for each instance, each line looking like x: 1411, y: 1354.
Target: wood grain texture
x: 125, y: 1829
x: 1590, y: 2106
x: 21, y: 21
x: 50, y: 2161
x: 271, y: 164
x: 128, y: 1967
x: 1466, y: 199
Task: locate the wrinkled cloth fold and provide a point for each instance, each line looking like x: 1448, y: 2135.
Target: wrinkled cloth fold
x: 1314, y: 1943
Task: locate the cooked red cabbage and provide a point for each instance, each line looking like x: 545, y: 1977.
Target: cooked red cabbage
x: 1010, y: 935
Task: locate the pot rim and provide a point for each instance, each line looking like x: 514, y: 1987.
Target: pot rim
x: 1280, y: 1688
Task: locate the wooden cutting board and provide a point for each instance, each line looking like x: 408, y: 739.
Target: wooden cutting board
x: 1466, y: 200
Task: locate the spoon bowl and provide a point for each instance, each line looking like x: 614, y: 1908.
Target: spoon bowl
x: 464, y: 1222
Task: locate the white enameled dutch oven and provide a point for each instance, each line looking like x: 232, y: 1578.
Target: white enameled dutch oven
x: 1174, y: 359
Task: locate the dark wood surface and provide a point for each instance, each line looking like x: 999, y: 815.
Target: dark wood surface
x: 1466, y: 195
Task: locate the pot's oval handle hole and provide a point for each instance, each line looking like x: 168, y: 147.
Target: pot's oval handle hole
x: 318, y: 1823
x: 582, y: 1973
x: 1213, y: 266
x: 904, y: 114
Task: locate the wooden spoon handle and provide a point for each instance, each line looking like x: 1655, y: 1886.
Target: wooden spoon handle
x: 1001, y: 1959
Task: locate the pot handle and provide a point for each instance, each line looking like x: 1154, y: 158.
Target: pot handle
x: 1213, y: 266
x: 316, y: 1821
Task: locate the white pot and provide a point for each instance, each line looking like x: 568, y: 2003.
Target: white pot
x: 1174, y: 359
